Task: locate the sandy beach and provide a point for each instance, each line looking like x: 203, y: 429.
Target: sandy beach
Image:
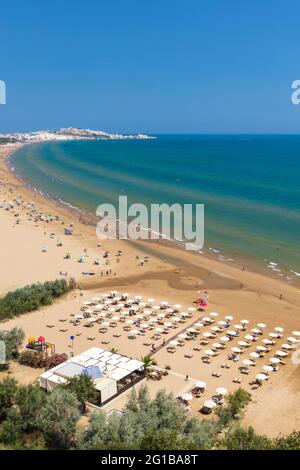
x: 30, y: 252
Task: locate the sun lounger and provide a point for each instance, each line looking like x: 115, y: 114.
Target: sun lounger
x: 50, y: 325
x: 63, y: 330
x: 237, y: 380
x: 217, y: 374
x: 188, y: 355
x: 91, y: 338
x: 117, y: 335
x: 105, y: 341
x: 78, y: 333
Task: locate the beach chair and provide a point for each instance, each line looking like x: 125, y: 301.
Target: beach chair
x: 91, y: 338
x: 237, y: 380
x: 217, y: 374
x: 188, y: 355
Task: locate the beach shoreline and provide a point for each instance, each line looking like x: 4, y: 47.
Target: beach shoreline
x: 237, y: 260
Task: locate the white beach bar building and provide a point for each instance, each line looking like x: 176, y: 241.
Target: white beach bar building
x: 112, y: 373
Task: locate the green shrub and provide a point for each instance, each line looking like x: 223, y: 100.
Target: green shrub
x: 32, y: 297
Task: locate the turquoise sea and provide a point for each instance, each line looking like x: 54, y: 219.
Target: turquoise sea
x: 250, y: 185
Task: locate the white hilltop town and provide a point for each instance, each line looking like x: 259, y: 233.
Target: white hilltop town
x: 69, y: 133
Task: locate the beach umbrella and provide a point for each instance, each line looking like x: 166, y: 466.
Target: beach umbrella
x: 274, y: 360
x: 254, y: 354
x: 261, y: 376
x: 286, y: 346
x: 124, y: 314
x: 86, y: 302
x: 184, y: 314
x: 79, y: 316
x: 209, y: 404
x: 115, y: 318
x: 221, y: 391
x: 238, y: 327
x: 267, y: 341
x: 247, y: 362
x: 215, y: 328
x: 153, y: 320
x: 281, y: 353
x: 191, y: 309
x: 217, y: 345
x: 236, y: 350
x: 150, y: 300
x: 187, y: 397
x: 129, y: 322
x: 147, y: 312
x: 296, y: 333
x: 245, y: 322
x: 198, y: 325
x: 192, y: 330
x: 273, y: 335
x: 170, y: 310
x: 224, y: 338
x: 99, y: 307
x: 111, y: 309
x: 161, y: 315
x: 200, y: 384
x: 214, y: 314
x: 134, y: 332
x: 255, y: 331
x: 268, y: 368
x: 206, y: 334
x: 292, y: 340
x: 105, y: 324
x: 173, y: 343
x: 90, y: 311
x: 91, y: 320
x: 243, y: 344
x: 228, y: 317
x: 168, y: 324
x: 125, y: 294
x: 206, y: 319
x: 96, y: 299
x: 144, y: 326
x: 156, y: 307
x: 138, y: 297
x: 209, y: 352
x: 279, y: 329
x: 249, y: 337
x: 139, y: 317
x: 182, y: 336
x: 164, y: 302
x: 261, y: 348
x: 222, y: 322
x: 176, y: 320
x: 261, y: 325
x: 158, y: 330
x: 114, y: 292
x: 231, y: 333
x: 177, y: 306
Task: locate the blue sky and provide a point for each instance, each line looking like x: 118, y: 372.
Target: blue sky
x: 158, y: 66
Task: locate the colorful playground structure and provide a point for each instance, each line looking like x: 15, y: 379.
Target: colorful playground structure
x: 40, y: 344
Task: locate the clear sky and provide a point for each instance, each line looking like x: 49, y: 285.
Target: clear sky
x: 157, y: 66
